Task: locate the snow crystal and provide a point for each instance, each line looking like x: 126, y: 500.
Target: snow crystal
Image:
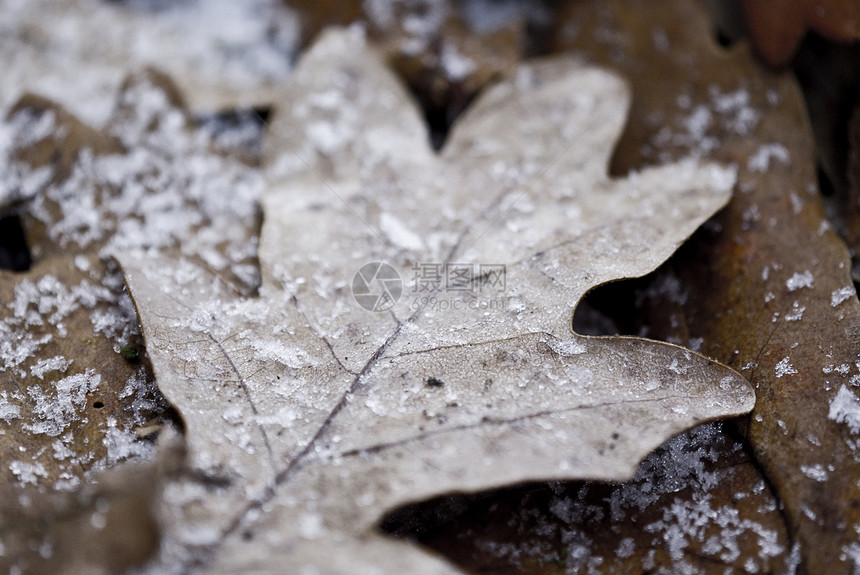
x: 311, y: 526
x: 845, y: 408
x: 734, y: 109
x: 840, y: 295
x: 54, y: 412
x: 796, y: 203
x: 457, y: 66
x: 696, y: 126
x: 698, y: 122
x: 784, y: 367
x: 27, y: 472
x: 722, y: 178
x: 399, y: 234
x: 82, y: 263
x: 328, y: 137
x: 121, y: 444
x: 816, y: 472
x: 626, y: 547
x: 760, y: 161
x: 8, y: 410
x: 749, y: 217
x: 796, y: 313
x: 56, y: 363
x: 852, y: 552
x: 567, y: 347
x: 800, y: 280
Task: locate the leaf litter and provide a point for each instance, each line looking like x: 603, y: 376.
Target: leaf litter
x: 78, y: 394
x: 768, y: 283
x: 308, y: 417
x: 77, y: 52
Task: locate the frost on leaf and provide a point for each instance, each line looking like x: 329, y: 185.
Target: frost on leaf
x: 309, y: 417
x: 77, y: 52
x: 771, y: 247
x: 76, y: 393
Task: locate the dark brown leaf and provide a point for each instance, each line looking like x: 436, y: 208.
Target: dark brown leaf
x: 777, y: 26
x: 769, y: 285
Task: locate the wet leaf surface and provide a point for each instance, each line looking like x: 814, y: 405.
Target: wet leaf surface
x: 309, y: 417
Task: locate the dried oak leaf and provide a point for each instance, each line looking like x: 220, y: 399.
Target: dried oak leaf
x: 767, y: 287
x: 309, y: 417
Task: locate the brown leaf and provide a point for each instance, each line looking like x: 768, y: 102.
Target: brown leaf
x: 696, y: 505
x: 147, y: 178
x: 325, y: 414
x: 70, y: 400
x: 54, y: 139
x: 76, y: 389
x: 103, y: 528
x: 777, y: 26
x: 769, y: 283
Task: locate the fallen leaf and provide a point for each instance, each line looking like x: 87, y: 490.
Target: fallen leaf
x: 767, y: 286
x: 147, y: 179
x: 777, y: 26
x: 107, y: 526
x: 77, y: 52
x: 442, y: 54
x: 43, y: 532
x: 827, y: 73
x: 69, y: 402
x: 309, y: 417
x: 696, y: 505
x: 76, y: 384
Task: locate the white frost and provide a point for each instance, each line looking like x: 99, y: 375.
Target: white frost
x: 796, y: 313
x: 400, y: 235
x: 8, y: 410
x: 784, y: 367
x: 816, y: 472
x: 43, y: 366
x: 28, y: 472
x: 567, y: 347
x: 845, y: 408
x: 840, y: 295
x: 760, y: 161
x: 54, y: 412
x: 800, y: 280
